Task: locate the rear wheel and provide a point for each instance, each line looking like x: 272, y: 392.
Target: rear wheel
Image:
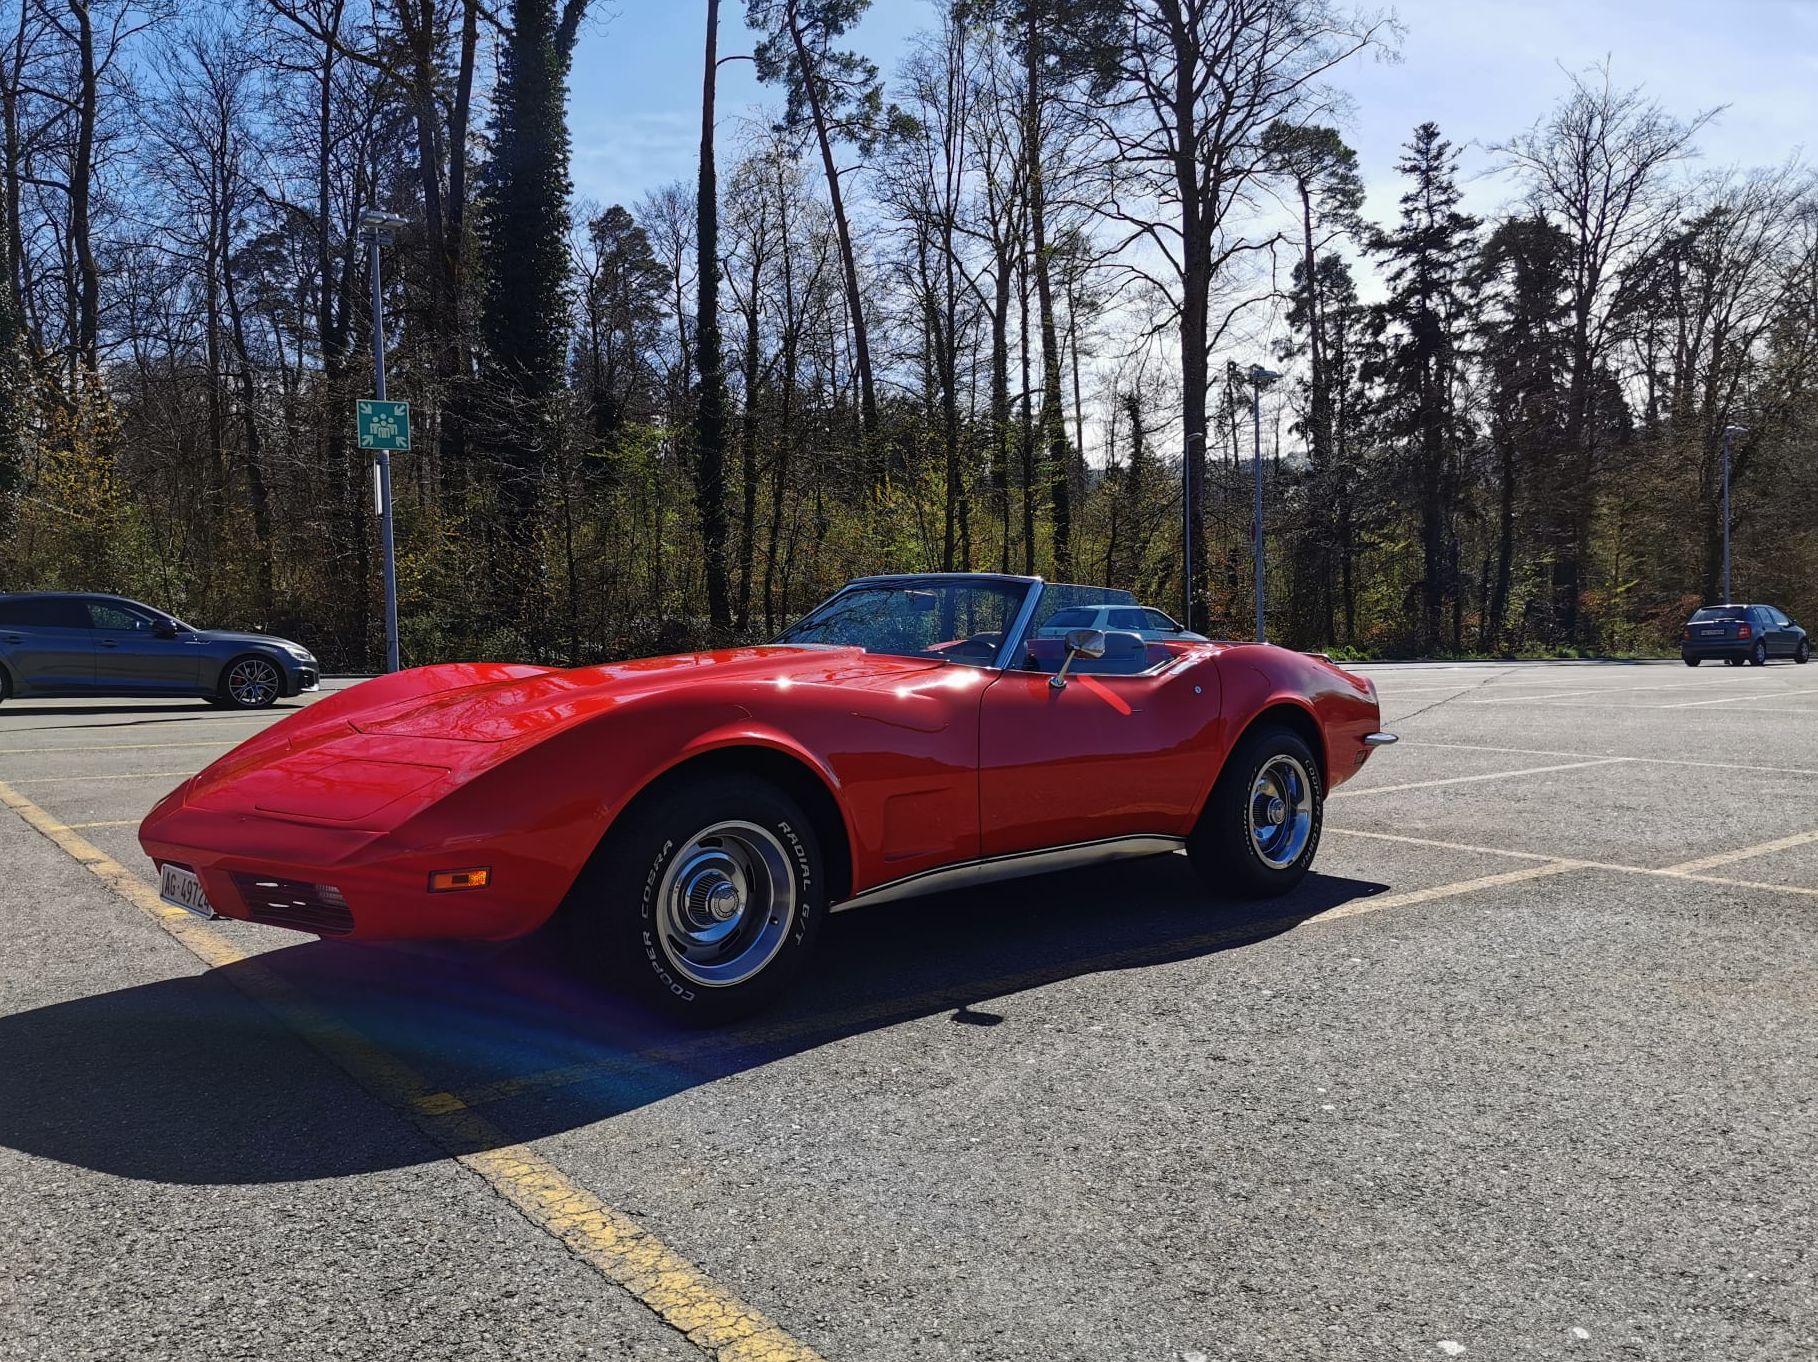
x: 1260, y: 829
x: 1693, y: 661
x: 1758, y: 658
x: 704, y: 902
x: 251, y: 682
x: 6, y: 686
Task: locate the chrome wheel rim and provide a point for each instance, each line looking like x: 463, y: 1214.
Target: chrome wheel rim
x: 1281, y: 811
x: 727, y: 903
x: 252, y: 681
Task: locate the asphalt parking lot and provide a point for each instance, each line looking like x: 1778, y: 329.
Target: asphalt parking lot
x: 1525, y: 1070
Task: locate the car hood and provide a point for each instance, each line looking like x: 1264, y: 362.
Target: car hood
x: 499, y: 711
x: 235, y: 636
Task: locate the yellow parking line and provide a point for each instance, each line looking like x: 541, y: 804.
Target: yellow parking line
x: 106, y: 823
x: 1798, y: 839
x: 610, y: 1242
x: 1466, y: 780
x: 118, y: 775
x: 116, y: 747
x: 1687, y: 871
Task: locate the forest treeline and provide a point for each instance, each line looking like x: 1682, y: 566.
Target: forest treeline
x: 994, y: 308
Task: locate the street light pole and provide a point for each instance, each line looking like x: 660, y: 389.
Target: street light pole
x: 376, y: 230
x: 1728, y: 431
x: 1260, y: 378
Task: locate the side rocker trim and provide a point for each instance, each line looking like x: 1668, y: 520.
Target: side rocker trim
x: 1014, y: 866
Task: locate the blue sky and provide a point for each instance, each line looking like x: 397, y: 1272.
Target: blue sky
x: 1482, y: 70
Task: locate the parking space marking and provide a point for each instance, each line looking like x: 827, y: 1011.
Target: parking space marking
x: 106, y: 823
x: 1687, y: 871
x: 1651, y: 761
x: 118, y: 775
x: 1466, y: 780
x: 607, y: 1240
x: 115, y: 746
x: 1798, y: 839
x: 1737, y: 699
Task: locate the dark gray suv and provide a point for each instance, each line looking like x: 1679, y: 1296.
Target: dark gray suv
x: 70, y: 644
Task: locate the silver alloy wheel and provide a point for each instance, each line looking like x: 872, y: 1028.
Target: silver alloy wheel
x: 727, y: 903
x: 252, y: 682
x: 1281, y: 811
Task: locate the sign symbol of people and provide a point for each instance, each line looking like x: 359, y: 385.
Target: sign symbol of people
x: 383, y: 425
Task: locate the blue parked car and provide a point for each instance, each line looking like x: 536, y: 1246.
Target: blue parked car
x: 75, y: 644
x: 1742, y: 634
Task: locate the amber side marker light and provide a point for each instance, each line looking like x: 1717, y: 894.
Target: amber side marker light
x: 442, y: 881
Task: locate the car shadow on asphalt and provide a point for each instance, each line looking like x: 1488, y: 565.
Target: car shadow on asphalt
x: 187, y: 1081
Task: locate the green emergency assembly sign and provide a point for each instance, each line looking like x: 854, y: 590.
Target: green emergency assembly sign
x: 383, y: 425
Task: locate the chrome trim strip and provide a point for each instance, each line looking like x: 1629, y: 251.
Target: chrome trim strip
x: 1014, y: 866
x: 1379, y: 739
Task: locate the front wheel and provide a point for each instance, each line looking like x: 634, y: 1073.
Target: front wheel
x: 1259, y: 830
x: 704, y: 902
x: 1758, y: 658
x: 1803, y: 653
x: 251, y: 683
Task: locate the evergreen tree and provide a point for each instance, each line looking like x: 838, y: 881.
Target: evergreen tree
x: 1425, y: 260
x: 525, y: 319
x: 1522, y: 337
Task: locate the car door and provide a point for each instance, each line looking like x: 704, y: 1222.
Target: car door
x: 46, y: 644
x: 1105, y: 756
x: 132, y: 657
x: 1785, y: 637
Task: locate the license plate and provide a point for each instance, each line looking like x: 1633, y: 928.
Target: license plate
x: 1710, y: 633
x: 181, y: 887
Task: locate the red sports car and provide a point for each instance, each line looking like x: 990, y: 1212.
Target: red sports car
x: 695, y: 817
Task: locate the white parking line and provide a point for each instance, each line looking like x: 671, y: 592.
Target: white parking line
x: 1466, y: 780
x: 1736, y: 699
x: 1651, y: 761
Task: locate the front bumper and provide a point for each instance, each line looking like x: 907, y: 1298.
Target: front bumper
x: 344, y: 882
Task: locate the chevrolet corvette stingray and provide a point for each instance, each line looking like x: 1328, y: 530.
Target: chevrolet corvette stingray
x: 694, y: 818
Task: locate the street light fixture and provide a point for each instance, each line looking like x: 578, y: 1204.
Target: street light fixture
x: 1728, y: 431
x: 379, y: 228
x: 1260, y: 378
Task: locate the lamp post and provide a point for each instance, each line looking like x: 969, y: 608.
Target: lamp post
x: 377, y: 228
x: 1728, y: 431
x: 1260, y: 378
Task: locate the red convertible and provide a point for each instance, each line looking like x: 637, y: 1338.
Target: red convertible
x: 695, y: 817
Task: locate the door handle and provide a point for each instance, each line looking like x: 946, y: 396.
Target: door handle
x: 12, y: 638
x: 108, y: 643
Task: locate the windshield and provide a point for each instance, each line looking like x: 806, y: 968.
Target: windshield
x: 955, y: 621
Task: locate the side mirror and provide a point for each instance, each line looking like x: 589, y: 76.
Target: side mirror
x: 1088, y: 643
x: 163, y: 629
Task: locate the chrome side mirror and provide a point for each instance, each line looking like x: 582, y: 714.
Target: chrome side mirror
x: 1080, y: 643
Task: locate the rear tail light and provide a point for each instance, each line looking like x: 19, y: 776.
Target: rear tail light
x: 1743, y: 631
x: 1686, y: 633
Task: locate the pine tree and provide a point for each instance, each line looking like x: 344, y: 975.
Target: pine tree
x: 1425, y: 261
x: 525, y: 320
